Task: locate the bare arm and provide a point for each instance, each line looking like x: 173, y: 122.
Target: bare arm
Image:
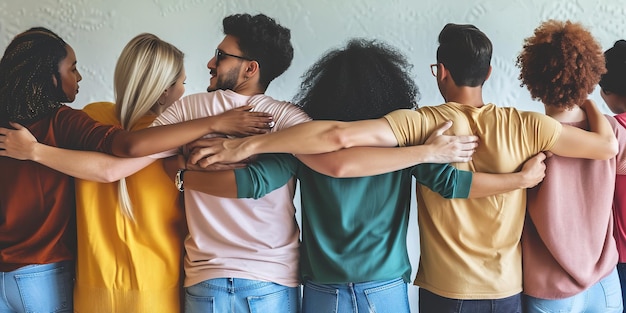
x: 307, y: 138
x: 21, y: 144
x: 368, y: 161
x: 532, y: 173
x: 151, y: 140
x: 220, y: 183
x: 599, y: 144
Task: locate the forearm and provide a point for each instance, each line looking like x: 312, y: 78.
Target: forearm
x: 88, y: 165
x: 599, y: 125
x: 484, y: 184
x: 218, y: 183
x: 365, y: 161
x: 323, y: 136
x: 156, y: 139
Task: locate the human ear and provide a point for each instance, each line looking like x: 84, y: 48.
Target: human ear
x: 54, y: 81
x: 442, y: 72
x: 488, y: 73
x: 252, y: 68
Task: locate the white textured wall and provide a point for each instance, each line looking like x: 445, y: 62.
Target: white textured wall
x: 98, y: 29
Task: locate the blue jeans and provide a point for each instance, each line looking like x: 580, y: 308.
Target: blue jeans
x: 238, y: 295
x: 38, y: 288
x: 377, y: 296
x: 621, y: 271
x: 432, y: 303
x: 603, y: 297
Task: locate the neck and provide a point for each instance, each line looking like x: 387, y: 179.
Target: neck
x: 472, y: 96
x: 563, y: 115
x: 248, y: 88
x: 621, y: 103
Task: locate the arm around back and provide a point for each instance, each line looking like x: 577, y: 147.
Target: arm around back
x: 599, y: 143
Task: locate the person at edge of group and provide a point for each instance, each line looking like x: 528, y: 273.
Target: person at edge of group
x: 354, y: 254
x: 565, y: 270
x: 613, y: 91
x: 470, y: 248
x: 37, y: 204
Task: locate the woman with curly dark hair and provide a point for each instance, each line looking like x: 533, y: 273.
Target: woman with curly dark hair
x: 568, y: 250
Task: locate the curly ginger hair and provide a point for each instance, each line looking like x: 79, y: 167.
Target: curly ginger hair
x: 561, y: 63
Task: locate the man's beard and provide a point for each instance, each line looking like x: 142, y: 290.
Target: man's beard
x: 228, y: 81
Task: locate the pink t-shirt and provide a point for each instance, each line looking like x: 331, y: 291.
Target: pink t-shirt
x: 619, y: 206
x: 567, y: 241
x: 242, y: 238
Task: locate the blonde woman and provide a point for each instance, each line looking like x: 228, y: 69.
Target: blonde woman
x: 129, y: 233
x: 129, y: 258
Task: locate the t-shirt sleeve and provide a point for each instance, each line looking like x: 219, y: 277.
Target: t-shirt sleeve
x: 444, y: 179
x: 544, y: 129
x: 81, y: 132
x: 268, y: 173
x: 285, y: 114
x: 618, y: 123
x: 405, y: 125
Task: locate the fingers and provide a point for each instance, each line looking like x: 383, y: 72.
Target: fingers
x: 443, y: 127
x: 205, y: 142
x: 15, y: 125
x: 541, y: 156
x: 243, y: 108
x: 200, y: 153
x: 205, y: 162
x: 261, y: 115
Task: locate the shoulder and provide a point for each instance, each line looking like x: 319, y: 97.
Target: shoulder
x: 286, y: 114
x: 102, y: 111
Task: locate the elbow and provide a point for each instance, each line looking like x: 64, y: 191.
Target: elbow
x: 612, y: 149
x: 109, y: 175
x: 338, y: 171
x: 337, y: 137
x: 127, y: 148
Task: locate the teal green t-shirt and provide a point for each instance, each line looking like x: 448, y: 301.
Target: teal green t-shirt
x: 353, y: 229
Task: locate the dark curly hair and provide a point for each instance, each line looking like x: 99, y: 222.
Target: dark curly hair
x: 364, y: 80
x: 614, y: 80
x: 466, y: 53
x: 261, y: 39
x: 561, y: 63
x: 27, y: 91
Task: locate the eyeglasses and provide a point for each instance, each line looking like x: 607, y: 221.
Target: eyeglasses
x: 433, y: 69
x: 219, y: 55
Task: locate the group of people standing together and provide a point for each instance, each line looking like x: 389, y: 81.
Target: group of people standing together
x: 101, y: 207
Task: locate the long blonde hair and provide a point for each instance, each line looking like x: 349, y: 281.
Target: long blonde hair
x: 144, y: 70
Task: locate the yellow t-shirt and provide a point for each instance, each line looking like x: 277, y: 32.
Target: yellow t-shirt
x: 126, y: 266
x: 470, y: 248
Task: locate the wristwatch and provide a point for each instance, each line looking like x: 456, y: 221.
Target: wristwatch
x: 178, y: 180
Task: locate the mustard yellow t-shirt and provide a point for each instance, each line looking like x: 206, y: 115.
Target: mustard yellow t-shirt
x: 126, y: 266
x: 470, y: 248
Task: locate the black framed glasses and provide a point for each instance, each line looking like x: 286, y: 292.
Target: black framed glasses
x: 219, y: 55
x: 433, y: 69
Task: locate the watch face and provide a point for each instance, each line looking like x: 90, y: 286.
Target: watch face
x: 178, y: 181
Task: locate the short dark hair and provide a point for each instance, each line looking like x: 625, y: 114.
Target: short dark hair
x: 614, y: 80
x: 262, y: 39
x: 364, y: 80
x: 561, y: 63
x: 27, y: 91
x: 466, y: 53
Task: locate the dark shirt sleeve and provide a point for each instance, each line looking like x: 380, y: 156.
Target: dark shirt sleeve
x: 268, y: 173
x: 444, y: 179
x: 76, y: 130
